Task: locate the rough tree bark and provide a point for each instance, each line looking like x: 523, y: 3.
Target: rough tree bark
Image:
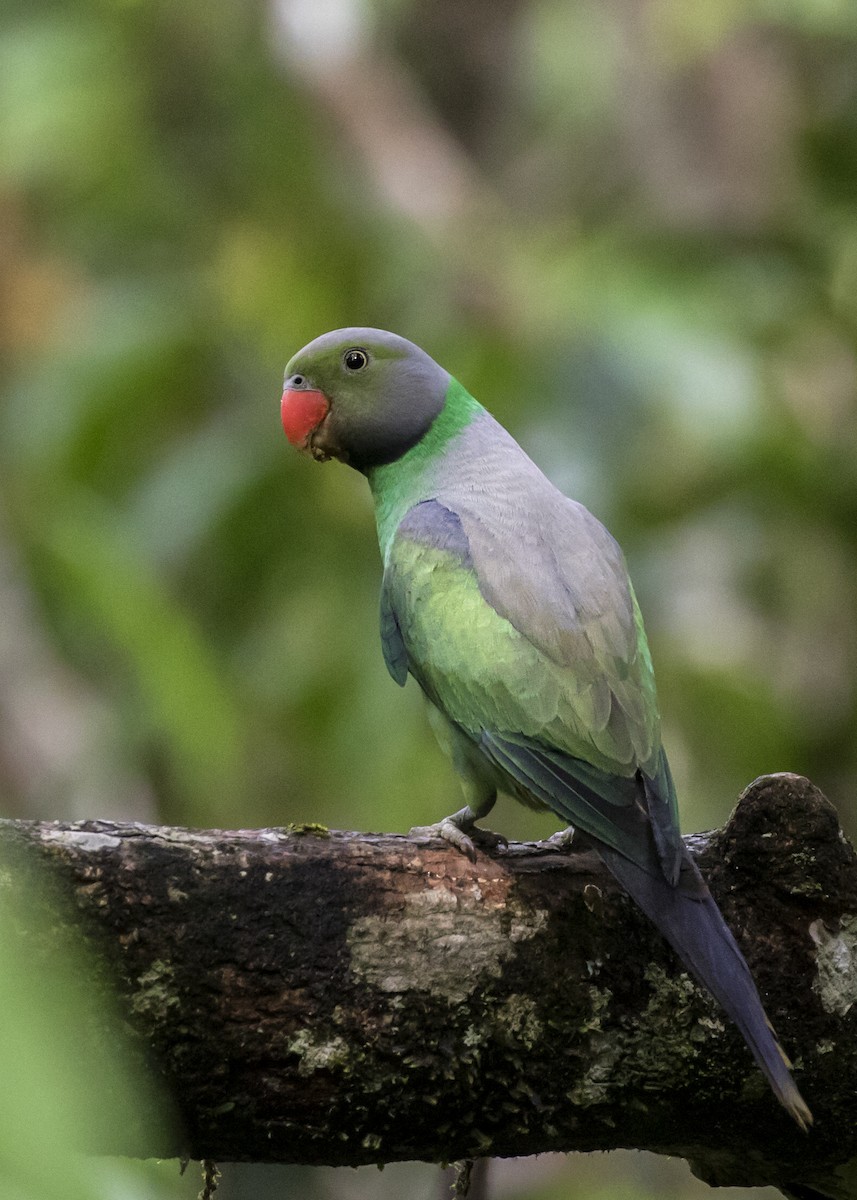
x: 317, y: 997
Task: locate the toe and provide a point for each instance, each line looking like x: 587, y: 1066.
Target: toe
x: 448, y: 831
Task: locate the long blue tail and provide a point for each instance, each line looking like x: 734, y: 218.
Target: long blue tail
x: 691, y: 922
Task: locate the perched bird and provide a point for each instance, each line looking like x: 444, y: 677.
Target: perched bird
x: 511, y: 606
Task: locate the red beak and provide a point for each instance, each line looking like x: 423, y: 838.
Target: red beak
x: 302, y: 411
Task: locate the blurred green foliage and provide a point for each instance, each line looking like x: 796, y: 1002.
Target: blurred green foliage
x: 630, y: 230
x: 71, y: 1077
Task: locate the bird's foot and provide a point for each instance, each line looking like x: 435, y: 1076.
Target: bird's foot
x: 461, y: 833
x: 563, y: 839
x: 487, y: 840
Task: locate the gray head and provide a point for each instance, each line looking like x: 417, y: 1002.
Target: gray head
x: 364, y: 396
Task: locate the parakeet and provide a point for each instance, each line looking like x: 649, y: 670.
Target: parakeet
x: 511, y: 607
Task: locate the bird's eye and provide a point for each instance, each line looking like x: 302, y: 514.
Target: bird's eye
x: 355, y: 360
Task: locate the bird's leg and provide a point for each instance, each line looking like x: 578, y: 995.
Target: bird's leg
x: 460, y: 830
x: 480, y: 792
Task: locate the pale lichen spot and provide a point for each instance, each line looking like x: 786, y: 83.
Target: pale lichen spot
x: 154, y: 996
x: 594, y: 1085
x: 666, y: 1034
x: 836, y: 964
x: 600, y: 998
x: 474, y: 1037
x: 671, y: 1030
x: 444, y: 942
x: 317, y: 1053
x: 82, y: 839
x: 518, y: 1018
x: 522, y: 929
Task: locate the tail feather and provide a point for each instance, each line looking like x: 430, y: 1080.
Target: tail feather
x: 691, y: 922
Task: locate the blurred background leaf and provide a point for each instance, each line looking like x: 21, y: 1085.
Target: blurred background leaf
x: 629, y: 229
x: 71, y: 1075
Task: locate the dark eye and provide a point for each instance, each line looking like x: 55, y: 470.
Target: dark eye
x: 355, y: 360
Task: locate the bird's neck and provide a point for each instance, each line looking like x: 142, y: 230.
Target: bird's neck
x: 399, y: 485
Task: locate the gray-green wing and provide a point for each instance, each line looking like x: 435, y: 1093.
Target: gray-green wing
x: 569, y: 716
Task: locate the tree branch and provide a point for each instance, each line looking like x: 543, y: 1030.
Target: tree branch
x: 340, y: 998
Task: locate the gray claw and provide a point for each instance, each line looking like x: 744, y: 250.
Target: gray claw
x: 449, y: 831
x: 486, y: 839
x: 563, y: 839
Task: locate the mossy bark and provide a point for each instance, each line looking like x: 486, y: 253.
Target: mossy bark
x: 316, y: 997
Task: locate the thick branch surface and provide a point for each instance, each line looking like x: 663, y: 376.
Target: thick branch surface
x: 344, y: 998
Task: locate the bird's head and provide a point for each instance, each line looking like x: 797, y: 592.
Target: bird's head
x: 363, y: 396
